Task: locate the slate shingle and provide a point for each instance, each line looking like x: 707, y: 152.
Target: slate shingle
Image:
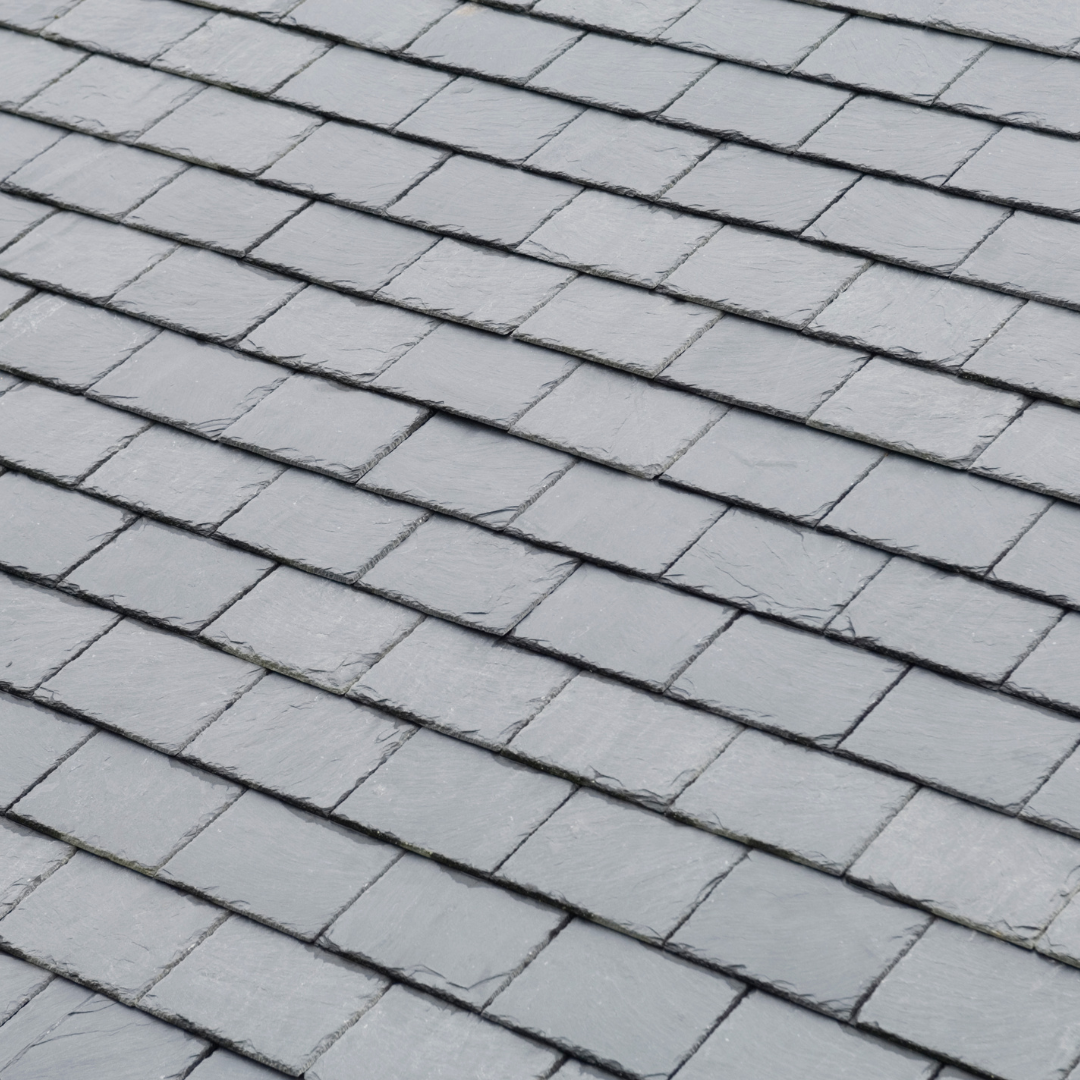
x: 1037, y: 450
x: 1042, y: 561
x: 371, y: 23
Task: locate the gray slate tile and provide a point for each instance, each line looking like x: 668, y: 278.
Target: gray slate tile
x: 807, y: 935
x: 312, y: 629
x: 225, y: 129
x: 644, y: 20
x: 21, y: 982
x: 466, y: 574
x: 111, y: 928
x: 766, y: 367
x: 614, y: 1001
x: 279, y: 865
x: 623, y: 626
x: 155, y: 687
x: 410, y: 1035
x: 463, y: 682
x: 19, y: 216
x: 1049, y: 673
x: 372, y: 23
x: 26, y: 859
x: 222, y: 1065
x: 899, y: 506
x: 1037, y: 450
x: 475, y: 374
x: 54, y: 1004
x: 488, y: 119
x: 41, y: 630
x: 899, y: 139
x: 293, y: 740
x: 29, y: 65
x: 1060, y: 940
x: 240, y: 987
x: 814, y: 807
x: 433, y: 791
x: 956, y: 991
x: 1055, y: 803
x: 914, y: 316
x: 22, y: 140
x: 1042, y: 560
x: 35, y: 740
x: 312, y: 422
x: 623, y: 740
x: 126, y: 802
x: 628, y: 155
x: 478, y: 200
x: 934, y: 852
x: 773, y: 464
x: 321, y: 525
x: 35, y: 14
x: 29, y: 541
x: 460, y: 936
x: 619, y: 419
x: 975, y: 743
x: 625, y: 867
x: 733, y: 100
x: 120, y: 27
x: 742, y: 183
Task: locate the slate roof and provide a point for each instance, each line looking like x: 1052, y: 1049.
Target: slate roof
x: 539, y: 539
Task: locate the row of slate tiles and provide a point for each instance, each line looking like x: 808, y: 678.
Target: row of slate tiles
x: 296, y: 873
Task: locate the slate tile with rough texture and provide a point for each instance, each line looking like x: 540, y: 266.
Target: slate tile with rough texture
x: 29, y: 65
x: 223, y: 1065
x: 119, y: 27
x: 1042, y: 559
x: 1055, y: 803
x: 1049, y: 674
x: 644, y: 20
x: 1037, y: 450
x: 21, y: 982
x: 23, y: 139
x: 385, y: 27
x: 26, y: 859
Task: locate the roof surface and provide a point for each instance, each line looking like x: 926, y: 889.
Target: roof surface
x: 539, y: 540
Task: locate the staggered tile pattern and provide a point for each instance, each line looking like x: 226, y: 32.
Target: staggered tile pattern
x: 538, y: 540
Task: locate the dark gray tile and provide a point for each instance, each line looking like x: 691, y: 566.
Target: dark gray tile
x: 188, y: 383
x: 410, y: 1035
x: 90, y: 258
x: 614, y: 518
x: 758, y: 187
x: 478, y: 200
x: 956, y: 991
x: 108, y: 926
x: 933, y: 853
x: 628, y: 868
x: 49, y: 1007
x: 787, y: 680
x: 758, y: 105
x: 909, y: 225
x: 29, y: 65
x: 279, y: 865
x: 291, y: 739
x: 945, y: 619
x: 1042, y: 561
x: 495, y: 290
x: 807, y: 935
x: 312, y: 629
x: 467, y: 470
x: 915, y: 316
x: 1037, y: 450
x: 120, y: 27
x: 242, y: 53
x: 210, y: 294
x: 976, y: 743
x: 765, y: 1036
x: 321, y: 525
x: 21, y: 982
x: 773, y: 464
x: 489, y: 119
x: 899, y: 139
x: 168, y: 575
x: 124, y: 801
x: 39, y: 340
x: 26, y: 859
x: 445, y: 930
x: 476, y: 374
x: 105, y: 178
x: 612, y: 1000
x: 623, y: 626
x: 22, y: 140
x: 766, y: 277
x: 770, y: 34
x: 900, y: 503
x: 463, y: 682
x: 359, y: 85
x: 29, y: 540
x: 619, y: 419
x: 909, y: 61
x: 240, y: 988
x: 766, y: 367
x: 1055, y: 804
x: 106, y: 97
x: 812, y: 806
x: 42, y: 630
x: 776, y: 568
x: 373, y: 23
x: 1050, y: 672
x: 629, y: 155
x: 433, y: 791
x: 344, y: 336
x: 467, y: 574
x: 205, y: 206
x: 645, y: 19
x: 484, y: 41
x: 156, y: 687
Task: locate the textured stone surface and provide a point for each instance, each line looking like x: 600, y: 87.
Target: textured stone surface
x: 1037, y: 450
x: 35, y: 739
x: 1041, y: 559
x: 372, y: 24
x: 115, y: 26
x: 1048, y: 673
x: 26, y: 859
